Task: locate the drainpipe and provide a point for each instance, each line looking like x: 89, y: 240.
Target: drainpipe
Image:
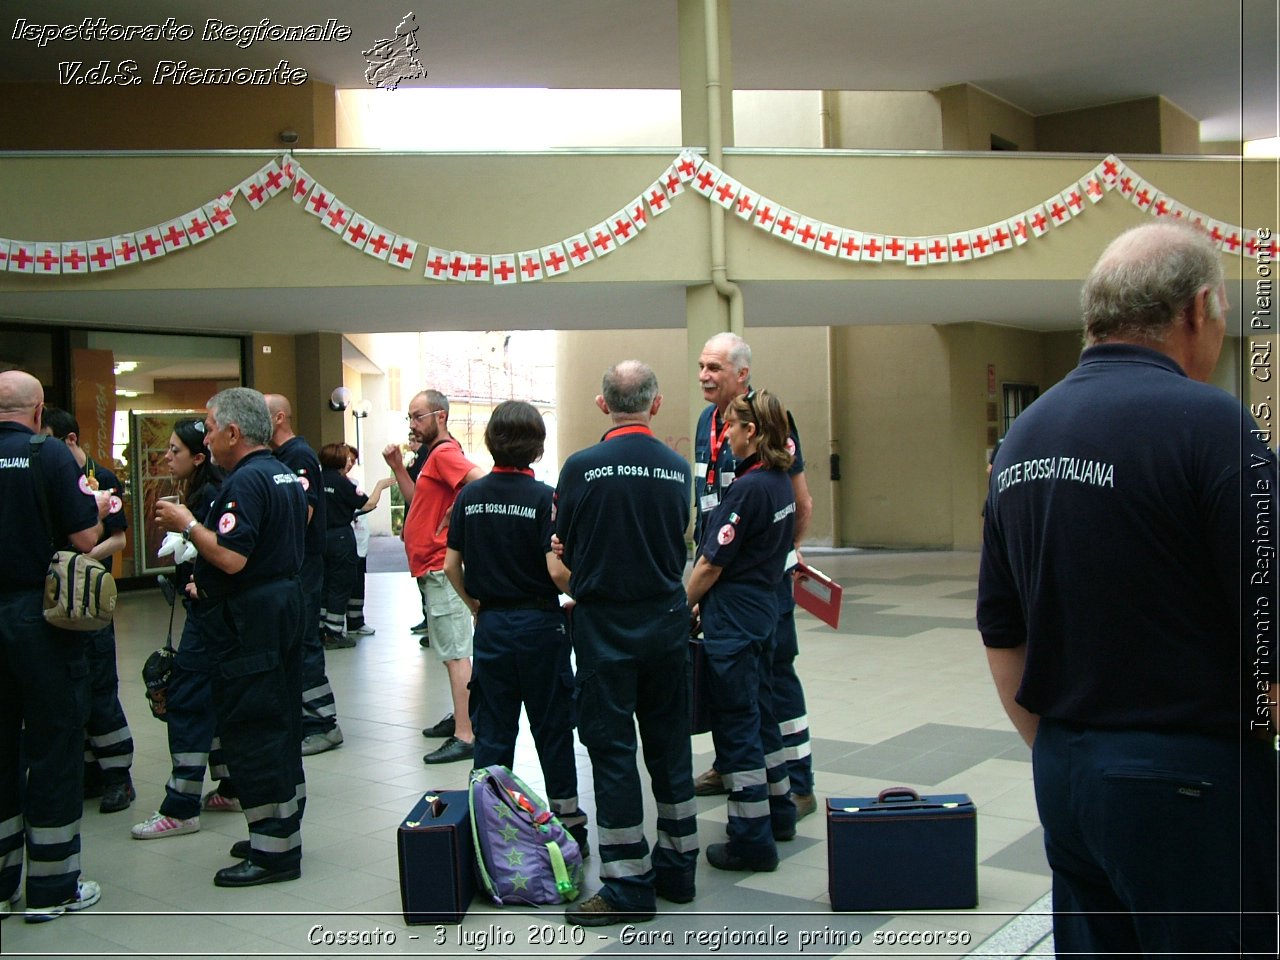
x: 827, y: 105
x: 715, y: 152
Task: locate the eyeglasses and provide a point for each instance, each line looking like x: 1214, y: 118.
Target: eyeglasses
x: 415, y: 417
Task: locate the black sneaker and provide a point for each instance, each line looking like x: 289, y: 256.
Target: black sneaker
x: 722, y: 858
x: 450, y: 751
x: 420, y: 628
x: 445, y: 728
x: 116, y: 797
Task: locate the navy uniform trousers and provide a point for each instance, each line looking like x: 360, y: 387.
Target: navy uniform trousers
x: 631, y: 660
x: 319, y: 712
x: 256, y: 637
x: 340, y: 571
x: 44, y: 685
x: 788, y: 694
x: 522, y: 656
x: 193, y: 744
x: 108, y: 745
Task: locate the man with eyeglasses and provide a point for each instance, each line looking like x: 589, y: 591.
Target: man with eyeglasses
x: 724, y: 372
x: 429, y: 500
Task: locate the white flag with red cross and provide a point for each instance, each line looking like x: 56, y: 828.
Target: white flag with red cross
x: 1073, y: 197
x: 22, y: 256
x: 197, y: 226
x: 1144, y: 194
x: 1109, y: 171
x: 1091, y: 187
x: 4, y: 255
x: 48, y: 258
x: 850, y: 246
x: 1018, y: 229
x: 672, y: 183
x: 1215, y: 232
x: 124, y: 248
x: 655, y: 195
x: 529, y: 266
x: 1127, y: 184
x: 1059, y: 212
x: 254, y: 190
x: 959, y: 249
x: 402, y: 252
x: 806, y: 234
x: 1037, y: 220
x: 828, y: 241
x: 338, y: 217
x: 980, y: 243
x: 601, y: 240
x: 479, y: 269
x: 503, y: 268
x: 638, y: 213
x: 725, y: 191
x: 704, y: 181
x: 1232, y: 238
x: 686, y: 166
x: 150, y: 243
x: 273, y: 178
x: 554, y: 261
x: 174, y: 236
x: 437, y: 267
x: 915, y: 250
x: 1001, y: 238
x: 1162, y: 206
x: 765, y: 214
x: 1198, y: 220
x: 378, y: 245
x: 302, y: 184
x: 75, y: 258
x: 459, y: 266
x: 289, y: 167
x: 1179, y: 211
x: 318, y: 201
x: 745, y: 205
x: 622, y: 227
x: 940, y: 249
x: 101, y: 255
x: 356, y: 233
x: 578, y: 249
x: 895, y: 248
x: 220, y: 215
x: 872, y: 247
x: 785, y: 226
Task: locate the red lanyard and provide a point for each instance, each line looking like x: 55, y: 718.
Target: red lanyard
x: 717, y: 443
x: 624, y: 431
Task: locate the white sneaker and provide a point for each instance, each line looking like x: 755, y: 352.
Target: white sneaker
x: 8, y: 906
x: 365, y: 631
x: 320, y: 742
x: 87, y: 894
x: 158, y: 825
x: 213, y: 800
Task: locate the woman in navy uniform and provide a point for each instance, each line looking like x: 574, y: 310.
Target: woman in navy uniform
x: 499, y: 560
x: 341, y: 564
x: 740, y: 562
x: 189, y: 696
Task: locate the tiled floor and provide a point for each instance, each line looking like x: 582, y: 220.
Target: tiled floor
x: 899, y: 695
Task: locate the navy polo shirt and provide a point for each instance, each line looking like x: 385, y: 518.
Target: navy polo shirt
x: 621, y: 510
x: 501, y: 524
x: 296, y: 454
x: 342, y: 499
x: 712, y: 476
x: 200, y: 503
x: 24, y: 561
x: 1121, y: 540
x: 261, y: 514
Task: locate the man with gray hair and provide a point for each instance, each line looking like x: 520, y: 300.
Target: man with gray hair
x: 249, y: 555
x: 621, y: 511
x: 1126, y: 608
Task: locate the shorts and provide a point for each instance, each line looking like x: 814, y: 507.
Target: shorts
x: 450, y: 621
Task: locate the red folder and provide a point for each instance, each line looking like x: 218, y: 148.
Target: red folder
x: 819, y: 594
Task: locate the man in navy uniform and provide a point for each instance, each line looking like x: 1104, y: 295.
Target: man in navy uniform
x: 320, y: 730
x: 1125, y: 606
x: 108, y: 740
x: 249, y: 556
x: 44, y: 681
x: 724, y: 371
x: 622, y: 509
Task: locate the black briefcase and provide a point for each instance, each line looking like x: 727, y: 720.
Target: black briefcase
x: 700, y: 706
x: 437, y: 859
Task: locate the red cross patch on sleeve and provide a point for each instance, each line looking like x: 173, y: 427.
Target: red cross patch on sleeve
x: 226, y: 523
x: 726, y: 534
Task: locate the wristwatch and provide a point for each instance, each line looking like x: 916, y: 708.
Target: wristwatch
x: 186, y: 533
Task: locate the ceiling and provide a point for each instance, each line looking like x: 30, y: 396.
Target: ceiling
x: 1216, y: 59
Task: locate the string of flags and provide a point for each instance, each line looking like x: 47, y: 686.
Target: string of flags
x: 687, y: 171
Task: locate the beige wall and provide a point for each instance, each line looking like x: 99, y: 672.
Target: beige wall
x: 886, y: 120
x: 971, y: 116
x: 274, y: 360
x: 1132, y: 126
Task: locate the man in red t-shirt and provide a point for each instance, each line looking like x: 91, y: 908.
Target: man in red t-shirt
x: 430, y: 499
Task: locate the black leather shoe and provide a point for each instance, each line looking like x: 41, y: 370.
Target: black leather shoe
x: 450, y: 751
x: 116, y: 797
x: 246, y: 873
x: 673, y: 893
x: 445, y: 728
x: 722, y: 858
x: 240, y: 849
x: 599, y: 912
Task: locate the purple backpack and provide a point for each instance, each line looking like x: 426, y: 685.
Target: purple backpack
x: 523, y: 853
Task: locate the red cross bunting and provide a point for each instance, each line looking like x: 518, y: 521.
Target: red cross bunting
x: 938, y: 249
x: 1058, y: 212
x: 1075, y: 201
x: 221, y: 215
x: 916, y: 252
x: 437, y: 266
x: 529, y: 268
x: 687, y: 168
x: 377, y: 243
x: 150, y: 244
x: 980, y: 243
x: 1143, y: 197
x: 1127, y: 185
x: 850, y: 245
x: 1231, y: 241
x: 1020, y: 228
x: 1161, y: 207
x: 22, y: 258
x: 639, y: 215
x: 126, y: 251
x: 1216, y: 233
x: 893, y: 246
x: 623, y: 228
x: 1000, y: 237
x: 48, y: 260
x: 745, y: 203
x: 197, y: 226
x: 300, y: 187
x: 174, y: 237
x: 74, y: 258
x: 337, y: 218
x: 726, y: 192
x: 579, y: 252
x: 1038, y: 221
x: 255, y: 194
x: 673, y: 183
x: 785, y: 225
x: 274, y: 180
x: 1094, y: 188
x: 479, y: 267
x: 555, y: 261
x: 705, y: 180
x: 806, y: 235
x: 960, y: 248
x: 829, y: 239
x: 1110, y: 168
x: 457, y: 266
x: 402, y: 252
x: 101, y: 256
x: 357, y: 233
x: 602, y: 241
x: 871, y: 247
x: 319, y: 202
x: 765, y: 215
x: 656, y: 199
x: 504, y: 270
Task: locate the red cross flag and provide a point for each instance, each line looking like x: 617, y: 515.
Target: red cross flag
x: 850, y: 247
x: 745, y: 205
x: 895, y: 249
x: 479, y: 269
x: 402, y: 252
x: 1215, y: 231
x: 1198, y: 220
x: 638, y: 213
x: 980, y: 243
x: 378, y: 245
x: 1001, y: 238
x: 4, y: 255
x: 1109, y: 171
x: 554, y: 260
x: 302, y: 183
x: 1127, y: 184
x: 1018, y: 229
x: 1091, y: 187
x: 806, y: 234
x: 173, y: 236
x: 273, y: 178
x: 687, y: 165
x: 197, y: 226
x: 1179, y: 211
x: 785, y: 224
x: 601, y: 240
x: 437, y: 263
x: 1144, y: 194
x: 48, y: 259
x: 872, y: 247
x: 1037, y: 220
x: 940, y: 248
x: 959, y: 248
x: 1232, y: 239
x: 459, y: 266
x: 1059, y: 212
x: 828, y: 241
x: 915, y: 250
x: 338, y: 217
x: 655, y: 195
x: 1073, y: 197
x: 765, y: 215
x: 725, y: 191
x: 124, y: 248
x: 578, y: 248
x: 356, y: 231
x: 22, y: 256
x: 529, y: 266
x: 101, y: 255
x: 503, y: 268
x: 672, y: 183
x: 220, y: 215
x: 288, y: 166
x: 150, y: 243
x: 254, y: 190
x: 318, y: 202
x: 622, y: 227
x: 75, y: 258
x: 704, y: 181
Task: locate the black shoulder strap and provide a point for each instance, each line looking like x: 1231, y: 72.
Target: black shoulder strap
x: 42, y: 495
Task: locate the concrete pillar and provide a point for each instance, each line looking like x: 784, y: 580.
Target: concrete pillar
x: 319, y: 370
x: 693, y: 73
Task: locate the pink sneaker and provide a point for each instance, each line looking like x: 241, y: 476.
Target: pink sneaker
x: 158, y: 825
x: 215, y: 801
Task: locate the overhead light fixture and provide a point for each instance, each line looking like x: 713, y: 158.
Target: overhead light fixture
x: 126, y: 393
x: 125, y: 366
